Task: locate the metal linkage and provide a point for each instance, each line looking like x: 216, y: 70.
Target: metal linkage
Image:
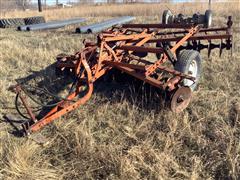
x: 126, y: 48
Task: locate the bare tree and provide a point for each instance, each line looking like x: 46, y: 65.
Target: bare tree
x: 23, y: 3
x: 14, y: 4
x: 39, y: 5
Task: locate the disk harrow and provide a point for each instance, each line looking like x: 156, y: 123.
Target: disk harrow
x: 128, y: 48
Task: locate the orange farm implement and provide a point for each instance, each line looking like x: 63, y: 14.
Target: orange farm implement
x: 127, y: 48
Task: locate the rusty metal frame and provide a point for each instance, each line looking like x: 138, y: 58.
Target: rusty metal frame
x: 115, y: 48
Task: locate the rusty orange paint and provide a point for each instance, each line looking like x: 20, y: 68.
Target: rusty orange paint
x: 114, y: 50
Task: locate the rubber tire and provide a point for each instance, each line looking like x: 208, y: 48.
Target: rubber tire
x: 208, y: 19
x: 183, y: 62
x: 165, y: 16
x: 13, y: 22
x: 2, y: 23
x: 34, y: 20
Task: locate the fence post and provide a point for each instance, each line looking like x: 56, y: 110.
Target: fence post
x: 39, y: 6
x: 210, y: 4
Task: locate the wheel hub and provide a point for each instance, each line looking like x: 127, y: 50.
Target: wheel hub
x: 192, y: 71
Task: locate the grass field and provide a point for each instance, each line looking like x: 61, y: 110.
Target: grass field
x: 116, y: 135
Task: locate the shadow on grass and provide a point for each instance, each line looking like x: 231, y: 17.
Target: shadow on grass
x: 46, y: 89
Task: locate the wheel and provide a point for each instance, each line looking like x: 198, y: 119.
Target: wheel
x: 166, y: 17
x: 1, y: 24
x: 189, y: 62
x: 180, y: 99
x: 208, y: 18
x: 13, y: 22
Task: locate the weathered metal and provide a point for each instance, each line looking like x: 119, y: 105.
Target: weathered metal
x: 116, y: 48
x: 180, y: 99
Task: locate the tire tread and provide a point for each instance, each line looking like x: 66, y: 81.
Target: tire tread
x: 13, y: 22
x: 183, y: 60
x: 34, y: 20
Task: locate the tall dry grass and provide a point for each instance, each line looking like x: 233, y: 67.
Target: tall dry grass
x: 119, y: 133
x: 129, y: 9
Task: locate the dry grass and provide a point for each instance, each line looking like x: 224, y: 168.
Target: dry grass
x: 128, y: 9
x: 117, y: 137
